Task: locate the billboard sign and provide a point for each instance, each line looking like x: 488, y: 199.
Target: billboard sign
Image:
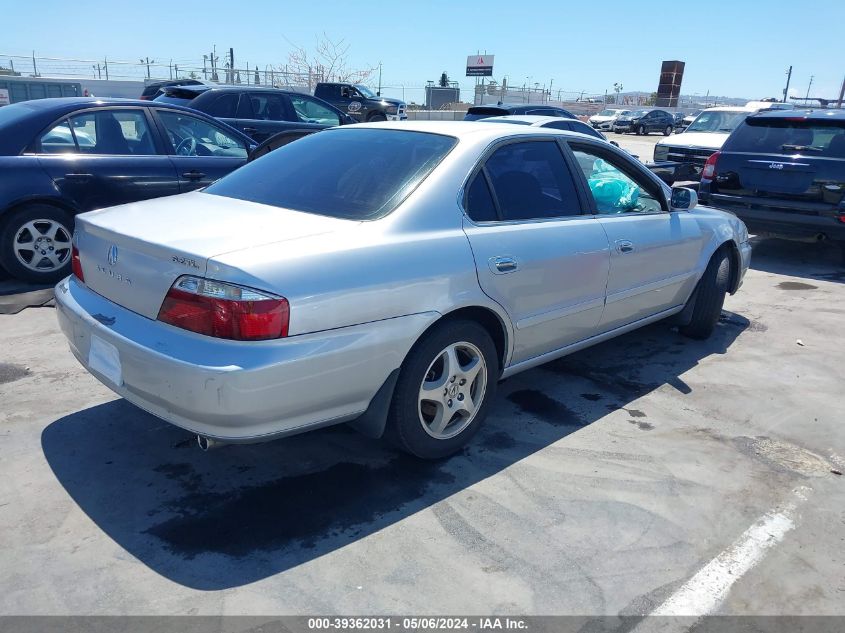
x: 480, y: 66
x: 669, y: 88
x: 4, y: 97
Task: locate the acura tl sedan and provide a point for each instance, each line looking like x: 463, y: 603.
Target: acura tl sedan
x: 388, y: 275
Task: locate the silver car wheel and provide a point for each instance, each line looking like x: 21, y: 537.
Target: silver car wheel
x: 42, y: 245
x: 452, y: 390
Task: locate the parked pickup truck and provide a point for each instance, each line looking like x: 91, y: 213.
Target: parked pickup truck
x: 360, y: 102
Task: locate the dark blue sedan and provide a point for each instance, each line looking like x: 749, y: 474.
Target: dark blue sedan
x: 60, y: 157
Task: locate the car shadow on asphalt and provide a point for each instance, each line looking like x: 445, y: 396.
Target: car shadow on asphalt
x: 238, y: 514
x: 818, y: 260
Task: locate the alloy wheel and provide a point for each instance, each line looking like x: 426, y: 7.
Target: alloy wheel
x: 452, y: 390
x: 42, y: 245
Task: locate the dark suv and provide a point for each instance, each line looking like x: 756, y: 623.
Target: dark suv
x: 505, y: 109
x: 783, y: 173
x: 257, y: 111
x: 645, y: 122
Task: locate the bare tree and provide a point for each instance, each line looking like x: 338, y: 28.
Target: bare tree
x: 328, y: 61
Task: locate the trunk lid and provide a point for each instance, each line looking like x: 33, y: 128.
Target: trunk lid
x: 132, y: 254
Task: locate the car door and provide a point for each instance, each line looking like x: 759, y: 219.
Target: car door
x: 654, y: 253
x: 110, y: 156
x: 536, y: 252
x: 262, y: 114
x: 200, y: 150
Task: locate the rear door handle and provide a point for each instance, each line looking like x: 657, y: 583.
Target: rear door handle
x: 501, y: 265
x: 193, y: 175
x: 624, y: 246
x: 250, y: 130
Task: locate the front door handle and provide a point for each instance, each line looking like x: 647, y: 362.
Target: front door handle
x: 79, y: 177
x: 250, y: 130
x: 193, y: 175
x: 624, y: 246
x: 501, y: 265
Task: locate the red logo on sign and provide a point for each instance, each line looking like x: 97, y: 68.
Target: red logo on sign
x: 480, y: 61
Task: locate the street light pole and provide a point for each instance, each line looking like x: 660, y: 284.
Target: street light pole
x: 807, y: 96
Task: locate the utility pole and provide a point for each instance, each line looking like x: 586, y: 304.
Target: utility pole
x: 378, y: 93
x: 106, y: 65
x: 232, y: 63
x: 807, y: 96
x: 148, y: 61
x: 842, y: 94
x: 788, y: 78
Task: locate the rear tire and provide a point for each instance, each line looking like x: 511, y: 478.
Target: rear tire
x: 35, y: 243
x: 430, y: 414
x: 709, y: 297
x: 667, y: 131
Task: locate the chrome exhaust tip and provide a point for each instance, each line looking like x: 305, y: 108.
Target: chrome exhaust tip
x: 206, y: 443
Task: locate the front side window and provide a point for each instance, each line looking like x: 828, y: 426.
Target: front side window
x: 312, y: 111
x: 192, y: 136
x: 366, y: 92
x: 612, y: 188
x: 350, y: 173
x: 531, y: 181
x: 112, y: 132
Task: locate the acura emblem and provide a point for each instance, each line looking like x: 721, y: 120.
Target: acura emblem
x: 112, y: 255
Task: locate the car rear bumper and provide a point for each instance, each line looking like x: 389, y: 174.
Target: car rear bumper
x: 236, y: 391
x: 768, y: 221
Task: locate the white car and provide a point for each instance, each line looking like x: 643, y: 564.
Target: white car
x: 691, y: 148
x: 604, y: 119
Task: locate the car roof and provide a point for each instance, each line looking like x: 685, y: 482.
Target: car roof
x: 231, y: 88
x: 809, y: 115
x: 526, y: 119
x: 474, y: 131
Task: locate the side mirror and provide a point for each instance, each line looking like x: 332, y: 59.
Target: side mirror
x: 614, y: 143
x: 683, y: 199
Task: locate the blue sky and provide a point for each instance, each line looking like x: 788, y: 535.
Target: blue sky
x: 736, y: 48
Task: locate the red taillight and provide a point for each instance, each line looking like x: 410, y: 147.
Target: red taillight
x: 709, y: 171
x: 224, y: 310
x: 75, y: 264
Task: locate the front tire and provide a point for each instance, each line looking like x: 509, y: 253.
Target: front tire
x: 35, y: 244
x: 641, y: 130
x: 709, y: 297
x: 377, y: 117
x: 444, y: 390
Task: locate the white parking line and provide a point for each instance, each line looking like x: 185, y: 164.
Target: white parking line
x: 706, y: 591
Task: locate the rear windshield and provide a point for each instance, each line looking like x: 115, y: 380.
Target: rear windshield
x: 356, y: 174
x: 789, y: 136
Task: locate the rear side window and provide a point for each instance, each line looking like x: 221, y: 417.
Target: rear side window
x: 531, y: 181
x: 357, y: 174
x: 785, y: 136
x: 224, y: 106
x: 480, y: 205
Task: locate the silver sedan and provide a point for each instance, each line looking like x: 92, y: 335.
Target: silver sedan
x: 387, y: 275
